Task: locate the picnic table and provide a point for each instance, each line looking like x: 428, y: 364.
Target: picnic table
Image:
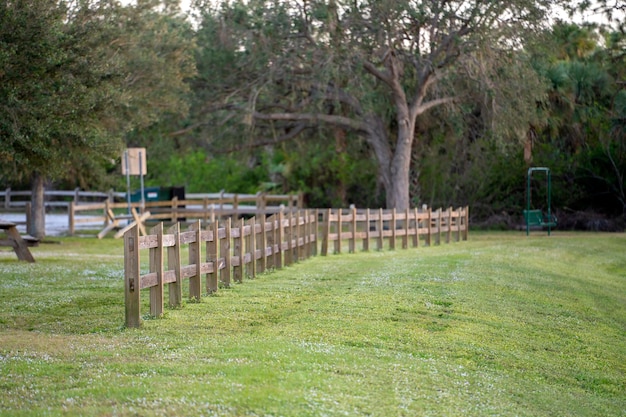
x: 18, y: 242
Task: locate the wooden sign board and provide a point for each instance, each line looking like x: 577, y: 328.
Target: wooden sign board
x: 135, y: 160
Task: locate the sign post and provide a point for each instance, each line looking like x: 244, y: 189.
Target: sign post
x: 134, y: 163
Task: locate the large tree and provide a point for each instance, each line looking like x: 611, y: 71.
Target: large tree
x: 368, y: 67
x: 75, y: 77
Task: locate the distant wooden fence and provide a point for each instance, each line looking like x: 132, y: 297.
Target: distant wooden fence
x: 204, y: 207
x: 92, y: 207
x: 17, y: 200
x: 249, y: 247
x: 375, y: 226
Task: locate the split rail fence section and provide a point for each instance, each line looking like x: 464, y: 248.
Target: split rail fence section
x: 376, y: 226
x: 249, y: 247
x: 257, y: 245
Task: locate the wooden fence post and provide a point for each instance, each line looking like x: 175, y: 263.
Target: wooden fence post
x: 380, y: 242
x: 278, y: 254
x: 300, y: 235
x: 225, y: 254
x: 156, y: 267
x: 174, y: 203
x: 430, y: 227
x: 251, y: 247
x: 213, y: 257
x: 339, y: 231
x: 288, y: 234
x: 392, y: 226
x: 261, y: 244
x: 366, y: 240
x: 325, y: 232
x: 405, y: 237
x: 132, y: 278
x: 439, y: 216
x: 238, y: 251
x: 416, y: 236
x: 195, y: 290
x: 7, y: 198
x: 312, y: 231
x: 457, y: 223
x: 71, y: 221
x: 173, y: 264
x: 352, y: 241
x: 466, y: 224
x: 269, y: 242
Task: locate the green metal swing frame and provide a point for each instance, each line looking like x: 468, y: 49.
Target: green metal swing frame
x: 537, y: 217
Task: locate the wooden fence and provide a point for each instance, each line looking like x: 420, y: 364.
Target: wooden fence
x: 95, y: 207
x: 16, y: 200
x: 204, y: 207
x: 249, y: 247
x: 246, y: 248
x: 374, y: 226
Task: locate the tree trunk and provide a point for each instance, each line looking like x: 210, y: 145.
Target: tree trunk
x: 37, y: 225
x: 394, y: 167
x: 401, y: 168
x: 379, y: 141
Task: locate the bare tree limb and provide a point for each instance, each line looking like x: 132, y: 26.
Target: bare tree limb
x: 343, y: 121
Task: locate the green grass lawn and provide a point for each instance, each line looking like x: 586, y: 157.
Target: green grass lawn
x: 500, y: 325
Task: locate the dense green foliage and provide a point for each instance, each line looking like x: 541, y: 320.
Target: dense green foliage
x: 499, y: 325
x: 286, y: 99
x: 75, y: 78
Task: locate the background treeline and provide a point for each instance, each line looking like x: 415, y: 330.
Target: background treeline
x: 261, y: 96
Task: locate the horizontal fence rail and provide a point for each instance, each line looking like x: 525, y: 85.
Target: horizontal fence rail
x: 241, y: 247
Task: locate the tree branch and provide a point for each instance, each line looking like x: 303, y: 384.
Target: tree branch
x: 346, y: 122
x: 369, y: 67
x: 265, y: 141
x: 421, y: 108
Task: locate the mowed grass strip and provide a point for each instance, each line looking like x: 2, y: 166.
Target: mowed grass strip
x: 500, y: 325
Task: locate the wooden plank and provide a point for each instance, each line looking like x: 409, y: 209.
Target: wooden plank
x: 225, y: 255
x: 262, y: 244
x: 173, y: 265
x: 195, y: 288
x: 137, y: 222
x: 156, y: 266
x: 278, y: 242
x: 111, y: 223
x: 132, y: 278
x: 380, y: 241
x: 352, y: 241
x: 213, y: 258
x: 326, y: 232
x: 415, y: 235
x: 251, y: 247
x: 268, y: 248
x: 237, y: 261
x: 430, y: 227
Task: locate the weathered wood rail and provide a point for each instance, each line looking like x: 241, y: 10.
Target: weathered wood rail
x: 222, y: 254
